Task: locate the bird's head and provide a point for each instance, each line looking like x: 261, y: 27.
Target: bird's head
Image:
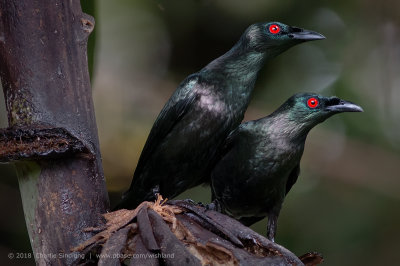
x: 306, y: 110
x: 276, y: 37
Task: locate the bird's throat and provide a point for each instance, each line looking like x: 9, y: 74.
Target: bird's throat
x: 282, y: 125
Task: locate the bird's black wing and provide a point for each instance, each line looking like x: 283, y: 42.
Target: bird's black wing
x: 292, y: 178
x: 226, y: 147
x: 173, y: 111
x: 229, y: 142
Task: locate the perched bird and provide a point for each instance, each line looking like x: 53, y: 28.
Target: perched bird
x: 181, y: 148
x: 261, y: 160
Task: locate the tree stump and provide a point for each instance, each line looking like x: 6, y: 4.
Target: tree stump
x: 181, y: 233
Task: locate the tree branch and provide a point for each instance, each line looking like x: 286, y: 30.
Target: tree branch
x: 180, y: 233
x: 44, y: 72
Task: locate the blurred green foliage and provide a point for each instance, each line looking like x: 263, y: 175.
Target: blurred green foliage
x: 345, y: 202
x: 89, y: 7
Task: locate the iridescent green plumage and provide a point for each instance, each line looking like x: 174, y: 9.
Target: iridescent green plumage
x: 182, y: 146
x: 261, y: 158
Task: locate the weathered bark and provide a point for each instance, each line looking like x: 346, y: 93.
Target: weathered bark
x: 44, y: 72
x: 181, y: 233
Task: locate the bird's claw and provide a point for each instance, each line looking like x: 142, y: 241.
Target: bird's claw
x: 192, y: 202
x: 214, y: 206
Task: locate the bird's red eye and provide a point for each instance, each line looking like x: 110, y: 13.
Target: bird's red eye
x: 274, y: 29
x: 312, y: 102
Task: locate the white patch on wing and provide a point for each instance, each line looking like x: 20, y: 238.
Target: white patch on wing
x: 210, y: 102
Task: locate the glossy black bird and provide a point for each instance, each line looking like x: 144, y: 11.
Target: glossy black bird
x: 181, y: 148
x: 261, y: 160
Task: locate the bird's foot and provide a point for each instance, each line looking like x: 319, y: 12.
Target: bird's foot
x: 271, y: 234
x: 192, y: 202
x: 272, y: 226
x: 201, y: 204
x: 214, y: 206
x: 156, y: 191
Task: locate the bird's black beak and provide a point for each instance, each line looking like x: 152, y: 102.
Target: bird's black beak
x: 305, y: 35
x: 339, y: 106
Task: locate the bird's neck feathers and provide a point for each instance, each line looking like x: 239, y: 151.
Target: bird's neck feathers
x: 285, y: 125
x: 240, y: 64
